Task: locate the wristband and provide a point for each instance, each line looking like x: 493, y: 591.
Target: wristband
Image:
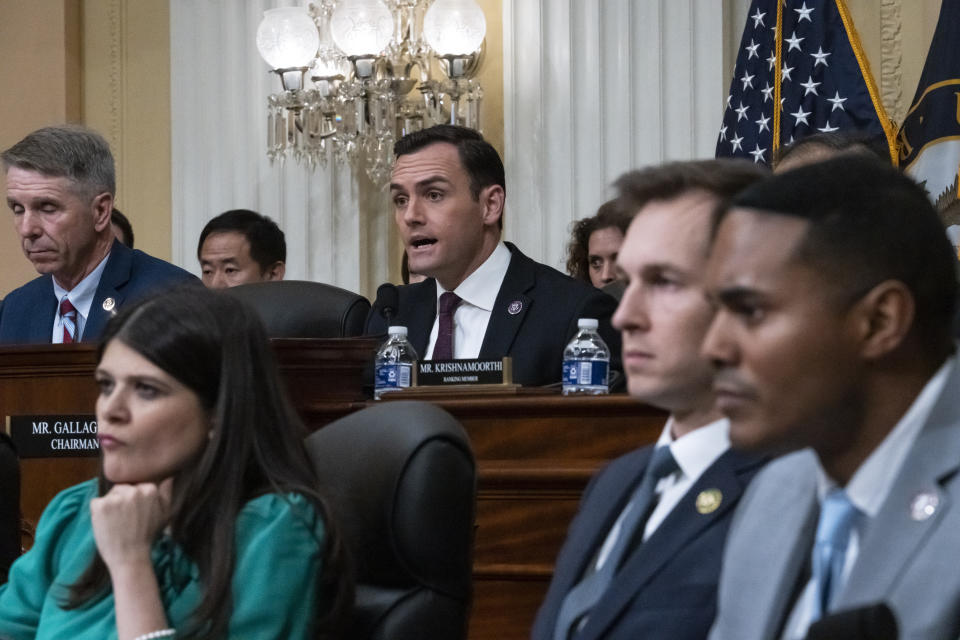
x: 159, y: 633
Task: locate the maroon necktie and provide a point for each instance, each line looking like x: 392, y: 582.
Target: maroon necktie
x: 68, y: 316
x: 443, y: 349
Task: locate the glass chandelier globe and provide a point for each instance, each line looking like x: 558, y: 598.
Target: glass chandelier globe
x: 454, y: 27
x: 361, y: 28
x: 287, y: 38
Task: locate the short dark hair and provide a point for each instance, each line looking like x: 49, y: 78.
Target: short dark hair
x: 478, y: 157
x: 868, y: 223
x: 723, y: 178
x: 69, y: 151
x: 267, y: 243
x: 126, y: 230
x: 852, y: 142
x: 578, y: 251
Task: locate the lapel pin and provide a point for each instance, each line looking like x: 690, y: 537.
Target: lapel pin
x: 708, y: 501
x: 924, y: 505
x: 514, y: 307
x: 109, y: 305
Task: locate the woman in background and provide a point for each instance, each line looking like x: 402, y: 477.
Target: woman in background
x: 205, y: 521
x: 592, y: 252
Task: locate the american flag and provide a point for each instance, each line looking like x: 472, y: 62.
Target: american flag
x: 806, y: 56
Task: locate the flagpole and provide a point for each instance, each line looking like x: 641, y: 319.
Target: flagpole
x: 778, y: 49
x: 889, y: 129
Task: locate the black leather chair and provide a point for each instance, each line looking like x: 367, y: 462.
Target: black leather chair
x: 9, y: 505
x: 401, y: 481
x: 301, y: 309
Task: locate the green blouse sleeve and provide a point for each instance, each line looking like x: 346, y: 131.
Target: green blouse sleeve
x: 280, y: 545
x: 63, y: 527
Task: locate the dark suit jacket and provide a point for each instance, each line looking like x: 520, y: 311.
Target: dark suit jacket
x: 27, y: 313
x: 667, y: 588
x: 550, y: 304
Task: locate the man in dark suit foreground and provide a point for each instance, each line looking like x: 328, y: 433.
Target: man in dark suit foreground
x: 642, y: 557
x: 448, y: 193
x: 835, y: 285
x: 60, y: 185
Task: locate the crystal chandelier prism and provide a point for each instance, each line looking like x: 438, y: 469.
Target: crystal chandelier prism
x: 358, y: 74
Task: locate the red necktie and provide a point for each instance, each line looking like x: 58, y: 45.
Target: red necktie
x: 68, y: 316
x: 443, y: 349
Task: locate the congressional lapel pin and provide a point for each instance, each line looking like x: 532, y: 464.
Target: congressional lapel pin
x: 109, y: 305
x: 924, y: 505
x: 709, y: 500
x: 515, y: 307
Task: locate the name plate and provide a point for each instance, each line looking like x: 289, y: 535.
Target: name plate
x: 54, y: 436
x: 449, y: 372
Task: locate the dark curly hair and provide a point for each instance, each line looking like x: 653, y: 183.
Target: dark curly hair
x: 578, y: 260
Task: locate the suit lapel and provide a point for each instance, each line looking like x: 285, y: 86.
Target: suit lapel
x: 617, y: 490
x: 511, y: 306
x: 769, y: 543
x: 418, y: 312
x: 40, y: 329
x: 679, y: 529
x: 895, y: 536
x: 116, y: 274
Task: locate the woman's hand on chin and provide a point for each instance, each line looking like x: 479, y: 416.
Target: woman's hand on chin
x: 127, y: 520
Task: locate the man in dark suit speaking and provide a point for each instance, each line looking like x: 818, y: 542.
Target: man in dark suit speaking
x: 483, y: 297
x: 60, y: 185
x: 642, y: 557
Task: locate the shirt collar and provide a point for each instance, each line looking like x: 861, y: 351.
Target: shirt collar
x: 81, y: 296
x: 871, y: 482
x: 696, y: 450
x: 481, y: 287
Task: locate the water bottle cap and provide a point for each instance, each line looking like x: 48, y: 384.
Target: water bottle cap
x: 587, y: 323
x: 397, y: 331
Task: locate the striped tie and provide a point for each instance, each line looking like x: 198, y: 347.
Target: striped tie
x: 68, y: 315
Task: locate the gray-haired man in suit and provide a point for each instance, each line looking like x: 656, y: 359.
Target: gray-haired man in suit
x: 835, y: 289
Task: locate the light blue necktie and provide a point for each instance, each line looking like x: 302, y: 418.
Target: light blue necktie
x: 585, y: 594
x: 837, y: 517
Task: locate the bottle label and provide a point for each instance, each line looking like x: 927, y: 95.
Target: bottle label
x: 393, y: 376
x: 585, y: 374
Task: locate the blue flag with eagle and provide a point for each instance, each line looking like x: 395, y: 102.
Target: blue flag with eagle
x: 805, y: 56
x: 929, y: 138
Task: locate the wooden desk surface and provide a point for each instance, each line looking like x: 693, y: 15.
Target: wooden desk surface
x: 535, y: 453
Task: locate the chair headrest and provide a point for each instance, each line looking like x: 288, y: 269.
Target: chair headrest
x: 401, y: 480
x: 302, y: 309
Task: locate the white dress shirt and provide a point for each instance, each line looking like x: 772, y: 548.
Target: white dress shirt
x: 479, y: 293
x: 694, y: 453
x: 81, y: 297
x: 869, y: 487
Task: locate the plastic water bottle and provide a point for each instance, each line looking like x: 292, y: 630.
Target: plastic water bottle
x: 393, y: 367
x: 586, y: 361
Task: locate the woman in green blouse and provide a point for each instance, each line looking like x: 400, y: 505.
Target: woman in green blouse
x: 205, y: 521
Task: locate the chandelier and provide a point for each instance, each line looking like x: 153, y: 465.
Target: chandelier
x: 358, y: 74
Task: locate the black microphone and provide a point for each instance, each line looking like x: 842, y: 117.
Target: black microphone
x: 872, y: 622
x: 388, y: 300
